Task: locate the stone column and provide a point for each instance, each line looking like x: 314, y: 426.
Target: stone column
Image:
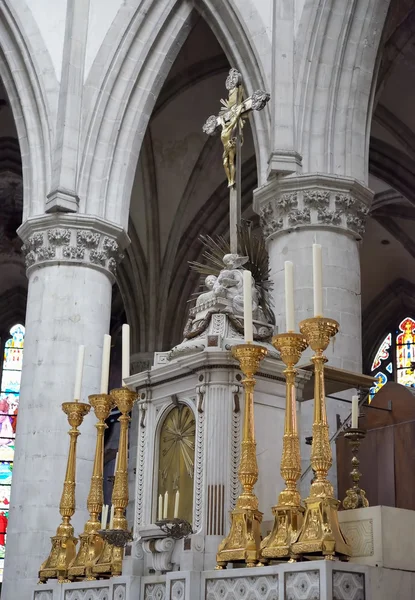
x: 297, y: 211
x: 71, y: 260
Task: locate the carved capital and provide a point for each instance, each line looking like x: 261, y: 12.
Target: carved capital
x: 74, y: 239
x: 313, y: 201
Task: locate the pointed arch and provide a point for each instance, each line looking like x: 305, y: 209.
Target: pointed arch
x: 147, y: 39
x: 22, y: 58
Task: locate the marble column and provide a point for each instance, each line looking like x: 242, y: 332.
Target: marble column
x: 295, y: 212
x: 71, y: 261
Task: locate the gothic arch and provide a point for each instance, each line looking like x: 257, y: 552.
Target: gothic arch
x: 22, y: 58
x: 335, y: 66
x: 146, y: 41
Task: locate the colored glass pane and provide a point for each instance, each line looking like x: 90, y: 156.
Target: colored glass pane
x: 389, y: 368
x: 381, y: 379
x: 9, y: 402
x: 383, y: 352
x: 405, y: 352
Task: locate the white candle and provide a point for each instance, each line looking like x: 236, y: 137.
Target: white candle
x: 116, y: 464
x: 289, y: 295
x: 176, y: 505
x: 355, y: 412
x: 248, y: 307
x: 111, y: 517
x: 105, y: 365
x: 318, y: 280
x: 103, y: 523
x: 125, y: 370
x: 160, y: 515
x: 166, y: 504
x: 78, y: 374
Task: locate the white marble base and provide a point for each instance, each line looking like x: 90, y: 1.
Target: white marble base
x: 381, y: 536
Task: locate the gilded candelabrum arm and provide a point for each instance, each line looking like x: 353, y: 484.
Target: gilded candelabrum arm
x: 355, y: 496
x: 248, y: 469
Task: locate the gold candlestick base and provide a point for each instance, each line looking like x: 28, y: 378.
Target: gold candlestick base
x: 63, y: 543
x: 288, y: 513
x: 242, y: 543
x: 355, y: 496
x: 320, y: 534
x: 91, y: 543
x: 109, y: 564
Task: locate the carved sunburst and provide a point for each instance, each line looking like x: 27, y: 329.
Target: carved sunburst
x: 179, y: 439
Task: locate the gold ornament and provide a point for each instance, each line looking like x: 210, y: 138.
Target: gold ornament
x: 355, y: 496
x: 64, y: 542
x: 288, y: 513
x: 91, y: 543
x: 243, y: 541
x: 110, y: 562
x: 320, y: 533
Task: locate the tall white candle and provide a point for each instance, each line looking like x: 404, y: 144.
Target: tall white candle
x: 78, y: 374
x: 166, y: 504
x: 112, y: 517
x: 103, y: 517
x: 105, y: 365
x: 318, y: 280
x: 160, y: 513
x: 249, y: 337
x: 176, y: 505
x: 289, y: 295
x: 116, y: 464
x: 355, y: 412
x: 125, y: 371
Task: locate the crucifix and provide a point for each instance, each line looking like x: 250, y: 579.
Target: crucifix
x: 234, y: 112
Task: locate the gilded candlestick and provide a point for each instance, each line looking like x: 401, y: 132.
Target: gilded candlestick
x: 91, y: 543
x: 110, y: 561
x: 242, y: 543
x: 320, y: 533
x: 288, y: 513
x: 355, y: 496
x: 64, y: 542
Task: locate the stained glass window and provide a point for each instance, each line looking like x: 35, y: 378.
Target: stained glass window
x: 396, y: 354
x: 9, y: 402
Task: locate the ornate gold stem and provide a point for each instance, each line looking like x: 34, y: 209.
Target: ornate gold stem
x: 355, y: 496
x: 64, y: 542
x: 110, y: 561
x: 242, y: 543
x: 320, y: 533
x: 91, y: 543
x: 288, y: 513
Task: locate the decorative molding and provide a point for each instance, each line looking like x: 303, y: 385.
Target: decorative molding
x: 178, y: 589
x: 235, y: 486
x: 120, y: 592
x: 142, y: 453
x: 359, y: 535
x: 243, y: 588
x: 101, y: 593
x: 76, y: 239
x: 160, y: 549
x: 313, y: 200
x: 155, y: 591
x: 198, y: 474
x: 302, y: 585
x: 43, y: 595
x: 348, y: 586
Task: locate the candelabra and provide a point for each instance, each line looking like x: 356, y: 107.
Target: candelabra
x: 355, y: 496
x: 288, y: 513
x: 320, y: 533
x: 242, y: 543
x: 91, y: 543
x: 64, y: 542
x: 110, y: 561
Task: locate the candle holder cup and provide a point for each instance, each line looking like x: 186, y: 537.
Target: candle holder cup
x: 243, y: 542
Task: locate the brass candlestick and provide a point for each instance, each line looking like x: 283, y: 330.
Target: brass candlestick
x: 64, y: 542
x: 91, y: 543
x: 288, y: 513
x: 355, y: 496
x: 110, y: 561
x: 242, y: 543
x: 320, y: 533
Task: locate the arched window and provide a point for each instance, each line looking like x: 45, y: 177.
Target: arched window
x: 395, y: 358
x: 9, y: 402
x: 176, y: 464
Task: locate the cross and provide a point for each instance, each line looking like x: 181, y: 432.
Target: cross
x: 234, y: 112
